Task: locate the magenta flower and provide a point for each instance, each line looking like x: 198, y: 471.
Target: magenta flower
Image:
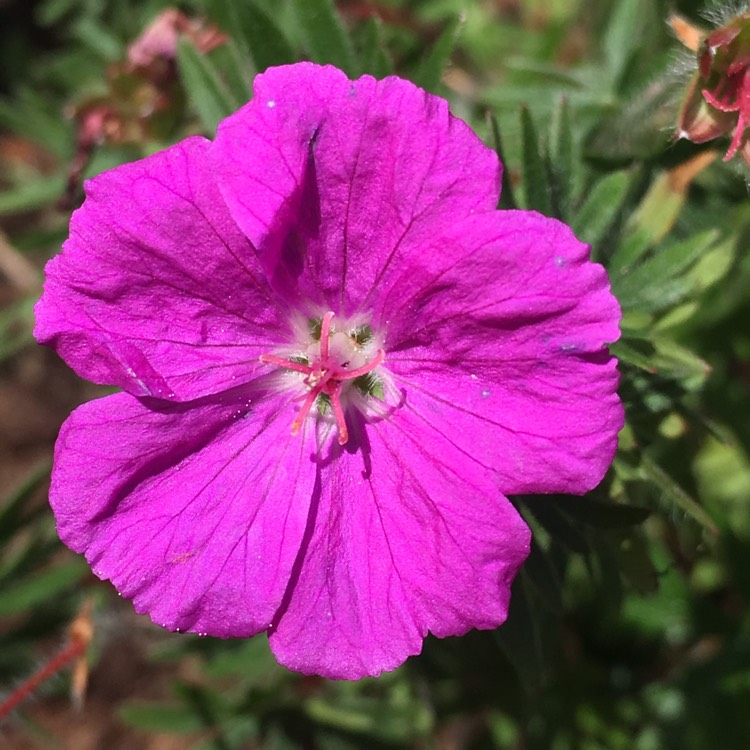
x: 337, y: 358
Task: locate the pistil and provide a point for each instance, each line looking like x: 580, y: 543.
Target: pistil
x: 325, y: 376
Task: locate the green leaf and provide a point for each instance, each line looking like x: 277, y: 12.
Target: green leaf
x: 634, y: 563
x: 374, y: 720
x: 659, y: 208
x: 161, y: 717
x: 675, y: 494
x: 258, y: 34
x: 208, y: 93
x: 52, y: 12
x: 678, y: 362
x: 661, y: 355
x: 31, y: 194
x: 234, y: 69
x: 36, y: 116
x: 607, y: 570
x: 714, y: 263
x: 98, y: 38
x: 431, y: 69
x: 39, y: 587
x: 643, y: 287
x: 16, y: 326
x: 601, y: 208
x: 507, y: 199
x: 204, y: 702
x: 634, y: 245
x: 653, y: 299
x: 604, y: 515
x: 534, y: 176
x: 543, y: 575
x: 633, y: 356
x: 521, y: 637
x: 324, y: 35
x: 561, y: 151
x: 15, y: 512
x: 375, y: 59
x: 621, y: 37
x: 559, y: 527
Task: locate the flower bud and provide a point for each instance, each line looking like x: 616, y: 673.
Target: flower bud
x: 718, y: 98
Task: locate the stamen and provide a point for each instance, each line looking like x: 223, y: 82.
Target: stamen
x: 305, y: 410
x: 338, y: 412
x: 324, y: 376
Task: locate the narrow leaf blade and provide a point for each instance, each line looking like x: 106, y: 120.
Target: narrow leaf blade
x: 535, y: 179
x: 324, y: 34
x: 259, y: 34
x: 431, y: 70
x: 209, y: 95
x: 673, y: 492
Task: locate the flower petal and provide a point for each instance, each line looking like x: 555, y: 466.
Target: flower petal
x: 335, y: 180
x: 194, y: 511
x: 407, y: 536
x: 497, y: 339
x: 156, y: 290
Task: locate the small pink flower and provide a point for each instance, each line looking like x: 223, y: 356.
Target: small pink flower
x: 160, y: 39
x: 337, y: 359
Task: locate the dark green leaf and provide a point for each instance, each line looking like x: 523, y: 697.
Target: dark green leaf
x: 520, y: 636
x: 605, y: 515
x: 208, y: 93
x: 375, y: 59
x: 544, y: 577
x: 34, y: 193
x: 675, y: 494
x: 560, y: 528
x: 645, y: 284
x: 621, y: 37
x: 633, y: 246
x: 324, y: 34
x: 534, y: 176
x: 633, y: 356
x: 15, y: 512
x: 16, y: 326
x: 634, y: 562
x: 258, y: 34
x: 676, y: 361
x: 235, y: 70
x: 507, y: 199
x: 653, y: 299
x: 161, y: 717
x: 36, y: 117
x: 601, y: 207
x: 431, y: 69
x: 561, y: 149
x: 41, y: 586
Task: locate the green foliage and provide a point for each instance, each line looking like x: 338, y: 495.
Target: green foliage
x: 324, y: 35
x: 257, y: 32
x: 204, y: 86
x: 436, y: 59
x: 632, y: 608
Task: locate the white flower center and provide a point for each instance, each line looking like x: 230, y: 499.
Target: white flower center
x: 336, y: 361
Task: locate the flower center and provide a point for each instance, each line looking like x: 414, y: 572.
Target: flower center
x: 330, y: 365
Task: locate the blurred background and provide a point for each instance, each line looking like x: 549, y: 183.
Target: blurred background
x: 629, y: 625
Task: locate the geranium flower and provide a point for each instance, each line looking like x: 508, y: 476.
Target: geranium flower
x: 337, y: 359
